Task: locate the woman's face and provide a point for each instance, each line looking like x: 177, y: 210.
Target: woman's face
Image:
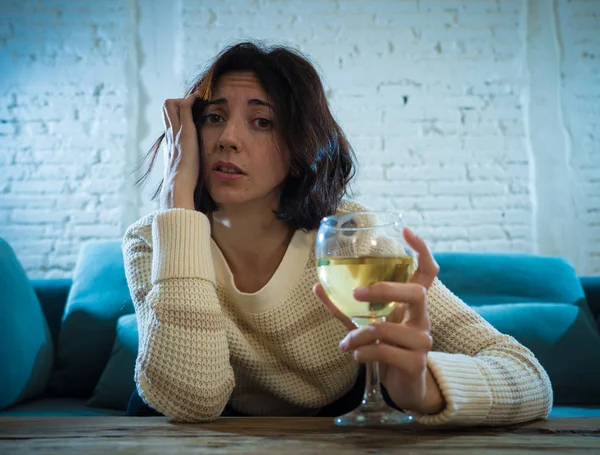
x: 244, y: 158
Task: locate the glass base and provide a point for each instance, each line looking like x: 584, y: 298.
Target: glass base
x: 374, y: 416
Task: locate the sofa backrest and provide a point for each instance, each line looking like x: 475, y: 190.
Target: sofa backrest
x: 487, y: 279
x: 98, y: 297
x: 52, y: 294
x: 538, y: 300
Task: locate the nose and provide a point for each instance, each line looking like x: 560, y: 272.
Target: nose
x: 230, y: 137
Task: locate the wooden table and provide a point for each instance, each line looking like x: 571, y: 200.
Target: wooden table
x: 156, y: 435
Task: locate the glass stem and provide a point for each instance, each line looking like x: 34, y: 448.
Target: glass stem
x: 372, y: 398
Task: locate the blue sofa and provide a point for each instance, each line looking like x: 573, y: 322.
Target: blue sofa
x: 69, y: 345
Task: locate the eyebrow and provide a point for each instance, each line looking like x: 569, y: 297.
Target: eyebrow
x: 251, y: 102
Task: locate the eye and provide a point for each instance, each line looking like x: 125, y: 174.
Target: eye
x: 263, y: 123
x: 212, y: 119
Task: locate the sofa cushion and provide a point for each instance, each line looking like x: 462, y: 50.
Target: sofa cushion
x: 564, y: 341
x: 486, y: 278
x: 98, y: 297
x: 26, y: 348
x: 116, y: 383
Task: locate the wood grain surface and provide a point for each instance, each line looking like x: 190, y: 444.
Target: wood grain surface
x: 157, y: 435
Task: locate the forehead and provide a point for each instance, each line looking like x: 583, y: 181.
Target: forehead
x: 239, y: 82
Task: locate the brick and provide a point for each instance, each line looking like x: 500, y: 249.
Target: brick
x: 518, y: 216
x: 426, y: 173
x: 366, y: 144
x: 111, y: 216
x: 392, y: 188
x: 39, y: 216
x: 17, y: 172
x: 371, y: 172
x: 6, y: 156
x: 486, y: 232
x: 75, y: 201
x: 38, y: 187
x: 66, y: 262
x: 488, y: 131
x: 493, y: 171
x: 443, y: 203
x: 452, y: 245
x: 445, y: 233
x: 66, y: 247
x: 102, y: 185
x: 80, y: 217
x: 396, y: 90
x: 460, y: 188
x: 380, y: 203
x: 86, y: 231
x: 525, y: 246
x: 56, y: 172
x: 7, y: 128
x: 20, y: 201
x: 19, y: 231
x: 519, y: 187
x: 390, y: 8
x: 31, y: 262
x: 518, y: 231
x: 28, y: 246
x: 490, y: 246
x: 463, y: 218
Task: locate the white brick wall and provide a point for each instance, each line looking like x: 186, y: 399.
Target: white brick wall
x: 579, y: 24
x: 435, y: 96
x: 64, y: 128
x: 428, y: 93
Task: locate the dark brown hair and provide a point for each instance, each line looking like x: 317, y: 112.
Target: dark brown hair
x: 321, y: 160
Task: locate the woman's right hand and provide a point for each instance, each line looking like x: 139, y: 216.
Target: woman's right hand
x: 181, y: 154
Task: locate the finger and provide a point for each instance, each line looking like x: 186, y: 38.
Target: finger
x: 171, y: 114
x: 165, y: 118
x: 411, y: 362
x: 412, y: 294
x: 399, y: 335
x: 320, y: 293
x: 428, y: 268
x: 398, y: 314
x: 185, y: 114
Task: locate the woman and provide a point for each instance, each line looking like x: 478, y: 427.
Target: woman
x: 223, y: 275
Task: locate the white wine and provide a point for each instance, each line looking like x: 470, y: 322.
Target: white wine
x: 341, y: 275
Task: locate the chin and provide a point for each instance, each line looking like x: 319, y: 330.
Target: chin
x: 227, y: 197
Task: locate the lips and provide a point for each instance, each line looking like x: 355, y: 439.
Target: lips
x: 227, y: 167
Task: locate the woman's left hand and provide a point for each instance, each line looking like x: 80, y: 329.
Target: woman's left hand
x: 400, y: 344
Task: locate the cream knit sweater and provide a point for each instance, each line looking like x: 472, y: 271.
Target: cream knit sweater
x: 203, y: 343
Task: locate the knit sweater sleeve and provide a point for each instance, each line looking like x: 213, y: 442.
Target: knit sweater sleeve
x: 182, y: 368
x: 486, y: 378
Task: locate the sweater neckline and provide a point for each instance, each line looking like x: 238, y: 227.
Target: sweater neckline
x: 286, y: 275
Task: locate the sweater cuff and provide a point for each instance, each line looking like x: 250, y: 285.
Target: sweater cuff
x: 181, y: 246
x: 467, y: 395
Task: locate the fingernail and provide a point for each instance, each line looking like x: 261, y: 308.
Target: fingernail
x: 343, y: 345
x: 360, y: 292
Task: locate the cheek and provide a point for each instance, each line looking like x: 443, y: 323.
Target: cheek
x: 283, y: 159
x: 277, y: 163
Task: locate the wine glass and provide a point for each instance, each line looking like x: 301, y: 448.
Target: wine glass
x: 360, y: 249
